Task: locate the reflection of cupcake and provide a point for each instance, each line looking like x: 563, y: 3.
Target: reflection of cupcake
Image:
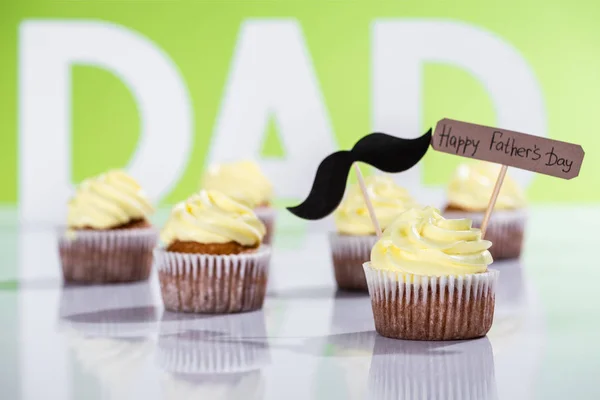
x: 191, y: 344
x: 244, y: 182
x: 428, y: 370
x: 247, y: 385
x: 109, y: 238
x: 115, y: 362
x: 213, y: 261
x: 468, y: 195
x: 428, y: 279
x: 115, y: 311
x: 355, y: 236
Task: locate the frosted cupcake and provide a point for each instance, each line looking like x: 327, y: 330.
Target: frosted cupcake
x: 109, y: 238
x: 429, y: 279
x: 469, y: 193
x: 355, y: 234
x: 212, y: 259
x: 244, y: 182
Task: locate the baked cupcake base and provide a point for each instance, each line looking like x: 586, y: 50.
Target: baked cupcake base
x: 506, y: 230
x: 349, y: 253
x: 107, y: 256
x: 206, y: 283
x: 431, y: 308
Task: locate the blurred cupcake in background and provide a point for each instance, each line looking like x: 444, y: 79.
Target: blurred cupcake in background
x: 355, y: 234
x: 432, y: 370
x: 244, y: 182
x: 109, y: 238
x: 468, y: 195
x: 212, y: 259
x: 429, y: 279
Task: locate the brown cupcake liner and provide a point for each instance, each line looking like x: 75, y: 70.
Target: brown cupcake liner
x: 215, y: 284
x: 267, y: 215
x: 111, y: 256
x: 214, y: 344
x: 432, y: 370
x: 349, y: 253
x: 506, y: 230
x: 431, y: 308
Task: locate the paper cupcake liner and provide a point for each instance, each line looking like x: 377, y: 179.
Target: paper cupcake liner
x: 432, y: 308
x: 267, y: 215
x: 219, y: 344
x: 204, y: 283
x: 432, y: 370
x: 505, y: 230
x: 111, y: 256
x: 109, y: 311
x: 348, y: 255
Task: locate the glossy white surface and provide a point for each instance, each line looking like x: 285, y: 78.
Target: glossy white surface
x: 309, y: 342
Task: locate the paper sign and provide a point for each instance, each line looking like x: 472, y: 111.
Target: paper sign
x: 515, y: 149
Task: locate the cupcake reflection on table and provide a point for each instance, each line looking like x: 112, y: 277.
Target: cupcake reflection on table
x: 109, y: 238
x: 355, y: 236
x: 213, y: 260
x: 469, y: 193
x: 429, y: 279
x: 245, y: 183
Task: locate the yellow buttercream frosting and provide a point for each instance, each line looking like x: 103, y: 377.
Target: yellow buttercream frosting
x: 107, y: 200
x: 422, y: 242
x: 472, y: 185
x: 243, y: 181
x: 388, y: 199
x: 212, y: 217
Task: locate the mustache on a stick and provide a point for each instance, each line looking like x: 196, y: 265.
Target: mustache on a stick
x: 385, y: 152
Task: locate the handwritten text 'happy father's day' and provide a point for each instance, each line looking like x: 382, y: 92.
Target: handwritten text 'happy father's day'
x: 468, y: 146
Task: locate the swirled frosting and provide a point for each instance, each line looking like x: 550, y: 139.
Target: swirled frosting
x: 471, y: 188
x: 388, y: 199
x: 212, y: 217
x: 243, y: 181
x: 422, y: 242
x: 107, y: 200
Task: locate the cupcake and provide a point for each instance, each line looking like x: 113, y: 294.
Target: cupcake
x: 469, y: 193
x: 109, y: 238
x: 429, y: 279
x: 244, y: 182
x: 212, y: 259
x: 351, y: 244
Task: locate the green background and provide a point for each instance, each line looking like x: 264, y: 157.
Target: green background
x: 559, y: 40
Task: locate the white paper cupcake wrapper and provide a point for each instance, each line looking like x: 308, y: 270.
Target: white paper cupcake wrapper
x: 220, y: 344
x: 432, y: 370
x: 432, y: 308
x: 348, y: 255
x: 505, y: 230
x: 205, y: 283
x: 268, y: 216
x: 110, y: 256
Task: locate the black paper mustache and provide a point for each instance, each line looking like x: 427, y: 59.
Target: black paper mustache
x: 382, y: 151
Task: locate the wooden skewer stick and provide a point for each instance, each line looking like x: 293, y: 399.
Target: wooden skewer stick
x: 492, y: 203
x: 363, y: 188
